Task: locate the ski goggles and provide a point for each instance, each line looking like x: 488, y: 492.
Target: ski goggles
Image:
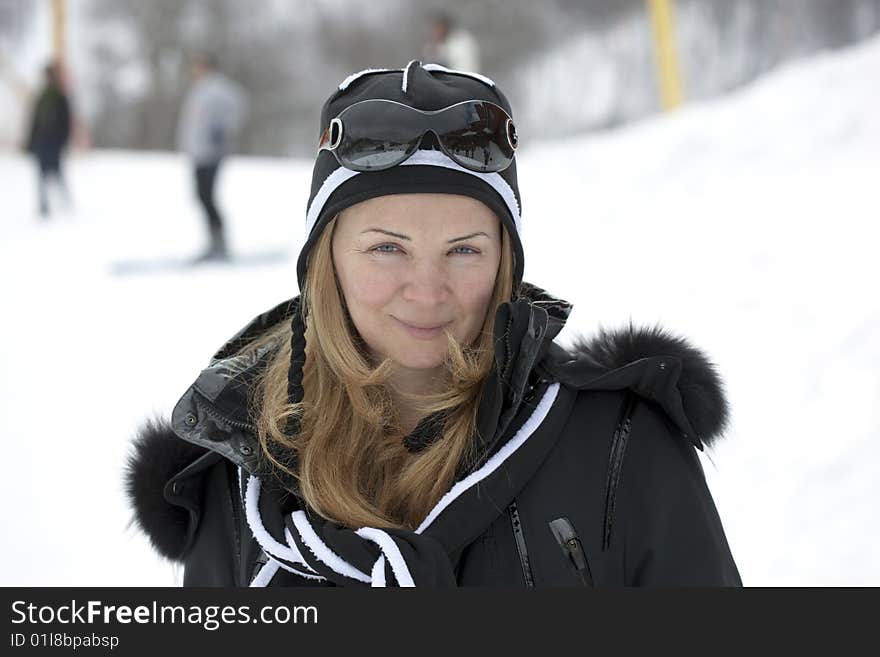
x: 378, y: 134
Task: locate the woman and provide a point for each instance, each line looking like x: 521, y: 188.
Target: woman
x: 408, y: 419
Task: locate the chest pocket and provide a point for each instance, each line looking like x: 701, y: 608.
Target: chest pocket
x: 570, y: 544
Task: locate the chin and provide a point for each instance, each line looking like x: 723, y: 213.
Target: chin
x: 424, y: 359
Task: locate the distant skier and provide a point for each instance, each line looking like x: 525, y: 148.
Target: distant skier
x: 450, y: 45
x: 49, y: 134
x: 211, y: 116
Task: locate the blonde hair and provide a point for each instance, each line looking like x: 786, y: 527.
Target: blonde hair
x: 350, y: 460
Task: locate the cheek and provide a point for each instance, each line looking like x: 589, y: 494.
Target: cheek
x: 366, y: 287
x: 474, y: 293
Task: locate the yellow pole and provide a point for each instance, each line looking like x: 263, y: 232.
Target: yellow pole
x: 59, y: 21
x: 668, y: 71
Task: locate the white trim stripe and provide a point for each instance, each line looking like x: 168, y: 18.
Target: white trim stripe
x: 267, y: 572
x: 391, y: 551
x: 264, y: 538
x: 470, y: 74
x: 378, y: 572
x: 299, y: 573
x: 520, y: 437
x: 270, y: 546
x: 423, y: 157
x: 330, y: 184
x: 302, y: 563
x: 354, y: 76
x: 406, y: 75
x: 322, y: 551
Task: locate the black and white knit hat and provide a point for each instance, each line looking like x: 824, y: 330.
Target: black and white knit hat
x: 425, y: 87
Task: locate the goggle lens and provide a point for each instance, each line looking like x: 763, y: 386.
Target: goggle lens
x: 376, y: 134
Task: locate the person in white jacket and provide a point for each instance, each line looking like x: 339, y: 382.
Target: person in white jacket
x: 451, y: 46
x: 211, y: 117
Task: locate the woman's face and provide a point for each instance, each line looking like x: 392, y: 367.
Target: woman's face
x: 410, y: 263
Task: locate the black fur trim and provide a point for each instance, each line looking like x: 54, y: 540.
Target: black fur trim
x: 158, y: 454
x: 700, y: 386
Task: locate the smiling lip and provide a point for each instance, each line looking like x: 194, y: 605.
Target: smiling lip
x: 422, y: 333
x: 423, y: 328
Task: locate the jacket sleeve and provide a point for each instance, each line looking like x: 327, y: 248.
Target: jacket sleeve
x: 672, y: 532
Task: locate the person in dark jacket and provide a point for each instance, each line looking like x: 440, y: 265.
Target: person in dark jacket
x: 49, y: 133
x: 408, y: 418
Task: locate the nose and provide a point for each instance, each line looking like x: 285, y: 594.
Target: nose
x: 426, y: 283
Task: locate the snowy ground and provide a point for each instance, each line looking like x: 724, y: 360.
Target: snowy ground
x: 744, y: 224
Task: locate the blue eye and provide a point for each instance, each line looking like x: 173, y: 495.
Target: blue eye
x: 465, y: 247
x: 380, y: 248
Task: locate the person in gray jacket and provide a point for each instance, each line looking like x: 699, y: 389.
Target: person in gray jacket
x: 212, y: 114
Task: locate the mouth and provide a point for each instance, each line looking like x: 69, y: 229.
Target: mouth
x: 424, y: 327
x: 421, y: 331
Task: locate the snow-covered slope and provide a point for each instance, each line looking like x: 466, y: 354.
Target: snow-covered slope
x: 745, y: 224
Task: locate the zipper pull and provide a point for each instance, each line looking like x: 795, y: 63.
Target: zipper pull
x: 259, y: 563
x: 563, y: 532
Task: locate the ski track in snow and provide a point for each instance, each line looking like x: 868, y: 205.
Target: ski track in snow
x: 744, y: 224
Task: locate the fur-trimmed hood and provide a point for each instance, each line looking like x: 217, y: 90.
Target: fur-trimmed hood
x: 210, y: 422
x: 691, y: 374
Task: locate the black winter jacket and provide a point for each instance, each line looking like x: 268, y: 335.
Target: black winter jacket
x: 620, y: 499
x: 50, y: 123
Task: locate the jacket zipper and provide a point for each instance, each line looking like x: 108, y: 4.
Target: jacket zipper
x: 618, y: 449
x: 521, y: 544
x: 212, y: 411
x: 232, y: 488
x: 565, y: 535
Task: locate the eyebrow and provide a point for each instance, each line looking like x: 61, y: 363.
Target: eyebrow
x: 407, y: 238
